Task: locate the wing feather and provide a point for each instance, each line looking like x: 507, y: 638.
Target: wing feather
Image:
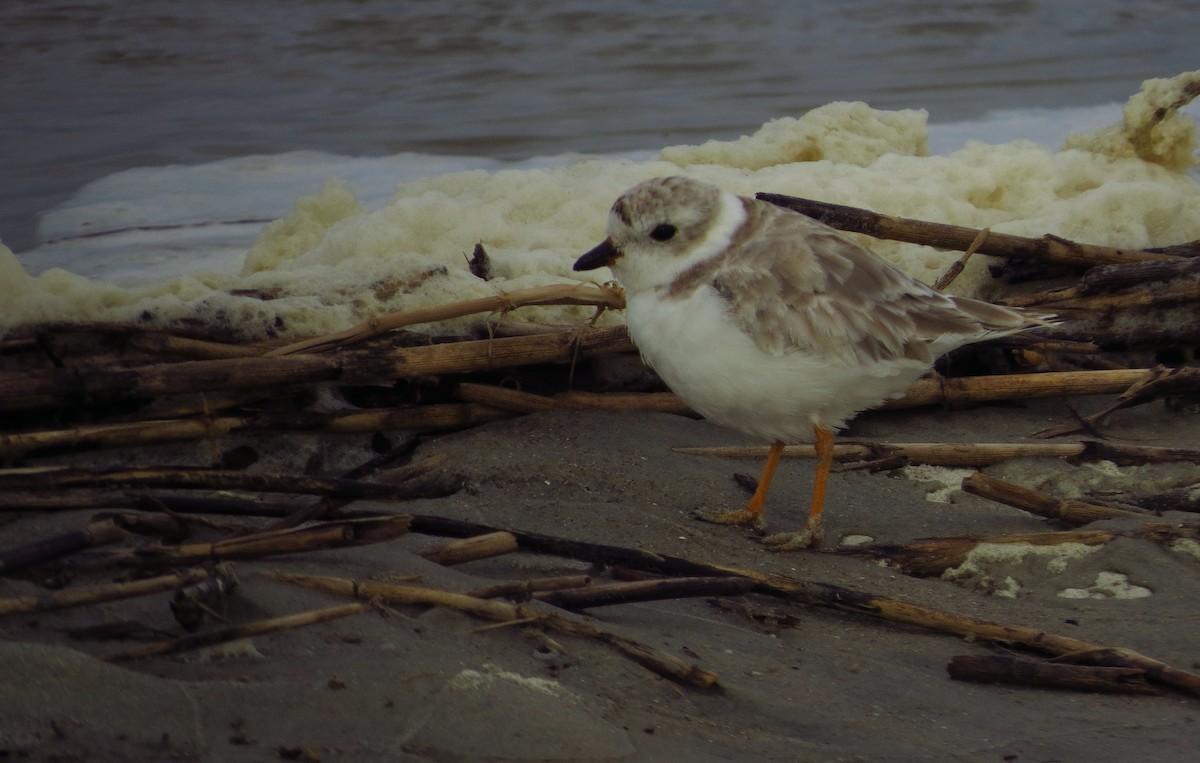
x: 795, y: 284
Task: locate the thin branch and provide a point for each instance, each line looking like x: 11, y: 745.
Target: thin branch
x: 326, y: 535
x: 560, y: 294
x: 1047, y: 248
x: 64, y: 477
x: 819, y: 594
x: 57, y: 546
x: 651, y: 658
x: 1012, y: 670
x: 21, y: 390
x: 245, y: 630
x: 483, y: 546
x: 645, y: 590
x: 1042, y: 504
x: 23, y: 605
x: 962, y: 454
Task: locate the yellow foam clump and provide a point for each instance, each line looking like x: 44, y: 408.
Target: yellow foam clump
x: 330, y: 263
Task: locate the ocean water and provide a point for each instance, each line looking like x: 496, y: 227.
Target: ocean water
x: 143, y: 141
x: 91, y: 88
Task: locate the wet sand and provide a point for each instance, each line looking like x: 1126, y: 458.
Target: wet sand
x: 795, y: 682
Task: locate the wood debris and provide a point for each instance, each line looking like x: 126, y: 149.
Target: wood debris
x: 89, y: 390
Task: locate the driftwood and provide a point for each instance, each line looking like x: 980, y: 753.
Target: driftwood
x: 394, y: 476
x: 48, y: 549
x: 1048, y: 248
x: 656, y: 660
x: 215, y: 339
x: 527, y: 402
x: 925, y: 557
x: 393, y: 593
x: 560, y: 294
x: 1013, y: 670
x: 825, y: 595
x: 59, y: 478
x: 488, y: 403
x: 645, y: 590
x: 168, y: 527
x: 470, y: 549
x: 161, y: 343
x: 649, y: 657
x: 1158, y: 383
x: 1042, y: 504
x: 483, y: 404
x: 423, y: 418
x: 524, y: 589
x: 963, y: 453
x: 958, y: 390
x: 155, y: 501
x: 234, y: 381
x: 1160, y: 295
x: 235, y: 632
x: 21, y: 390
x: 958, y: 266
x: 99, y: 594
x: 328, y: 535
x: 1171, y: 279
x: 934, y: 390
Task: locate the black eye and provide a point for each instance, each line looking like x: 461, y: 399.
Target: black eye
x: 663, y: 232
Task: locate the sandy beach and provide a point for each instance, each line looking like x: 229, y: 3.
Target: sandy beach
x: 794, y: 682
x: 197, y: 270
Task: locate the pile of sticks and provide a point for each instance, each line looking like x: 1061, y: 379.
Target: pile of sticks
x: 69, y: 392
x: 201, y: 575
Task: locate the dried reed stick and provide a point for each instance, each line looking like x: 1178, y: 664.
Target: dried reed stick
x: 1158, y: 383
x: 55, y: 547
x: 393, y: 593
x: 63, y: 477
x: 483, y: 546
x: 645, y: 590
x: 23, y: 605
x: 825, y: 595
x: 957, y: 390
x: 1047, y: 248
x: 423, y: 418
x: 960, y: 454
x: 558, y: 294
x: 1013, y: 670
x: 1042, y: 504
x: 649, y: 657
x: 329, y: 504
x: 526, y: 588
x: 234, y: 632
x: 342, y: 534
x: 926, y: 557
x: 22, y: 390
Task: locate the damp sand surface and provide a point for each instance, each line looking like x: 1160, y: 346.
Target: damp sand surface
x: 795, y: 682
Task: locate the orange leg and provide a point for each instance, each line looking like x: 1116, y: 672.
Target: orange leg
x: 752, y: 513
x: 810, y: 536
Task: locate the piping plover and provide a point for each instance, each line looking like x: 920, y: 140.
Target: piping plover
x: 769, y: 322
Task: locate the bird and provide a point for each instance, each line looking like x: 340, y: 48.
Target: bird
x: 772, y: 323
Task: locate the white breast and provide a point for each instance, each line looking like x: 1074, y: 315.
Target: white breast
x: 718, y: 371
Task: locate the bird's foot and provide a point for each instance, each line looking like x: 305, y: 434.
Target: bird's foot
x: 809, y: 537
x: 743, y: 516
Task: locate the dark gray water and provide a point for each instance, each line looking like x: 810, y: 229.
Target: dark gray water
x: 90, y: 88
